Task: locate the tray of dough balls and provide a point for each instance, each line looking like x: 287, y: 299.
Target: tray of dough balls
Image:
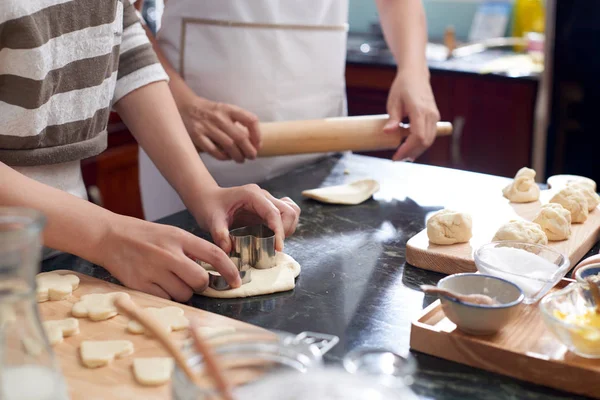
x: 104, y: 355
x: 564, y: 217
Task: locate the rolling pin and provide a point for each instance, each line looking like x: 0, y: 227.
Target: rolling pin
x: 363, y: 133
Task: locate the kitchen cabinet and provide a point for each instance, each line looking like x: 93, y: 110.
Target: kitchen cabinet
x: 492, y: 116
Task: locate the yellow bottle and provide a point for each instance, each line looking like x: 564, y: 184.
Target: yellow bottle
x: 528, y: 16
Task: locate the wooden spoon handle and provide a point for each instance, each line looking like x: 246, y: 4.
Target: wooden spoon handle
x: 212, y: 364
x: 436, y: 290
x: 129, y: 309
x: 595, y: 292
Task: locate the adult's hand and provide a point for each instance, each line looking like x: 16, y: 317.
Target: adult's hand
x: 411, y: 96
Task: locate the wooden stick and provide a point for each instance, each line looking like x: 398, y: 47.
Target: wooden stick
x: 463, y: 298
x: 212, y: 365
x: 595, y: 292
x: 131, y: 310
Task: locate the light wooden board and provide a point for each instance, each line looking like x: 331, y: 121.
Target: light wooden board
x: 525, y: 349
x: 116, y: 381
x: 489, y: 213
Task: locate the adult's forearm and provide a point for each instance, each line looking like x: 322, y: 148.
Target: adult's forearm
x: 73, y: 225
x: 151, y: 115
x: 405, y: 30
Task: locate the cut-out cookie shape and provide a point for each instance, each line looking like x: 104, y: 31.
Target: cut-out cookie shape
x: 99, y: 353
x: 152, y: 371
x: 350, y: 194
x: 54, y: 286
x: 97, y: 306
x: 57, y: 329
x: 171, y: 318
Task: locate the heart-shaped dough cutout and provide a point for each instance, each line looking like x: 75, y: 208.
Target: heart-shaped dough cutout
x: 97, y: 306
x: 57, y: 329
x: 171, y: 318
x: 99, y: 353
x: 54, y: 286
x: 152, y: 371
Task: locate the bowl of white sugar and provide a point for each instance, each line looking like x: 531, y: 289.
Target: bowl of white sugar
x: 533, y: 267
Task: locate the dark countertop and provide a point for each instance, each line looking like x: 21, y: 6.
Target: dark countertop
x: 377, y: 54
x: 354, y: 281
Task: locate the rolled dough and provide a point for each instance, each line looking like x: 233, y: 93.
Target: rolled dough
x: 280, y: 278
x: 350, y: 194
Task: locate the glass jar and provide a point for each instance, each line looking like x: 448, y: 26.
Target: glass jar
x: 28, y: 368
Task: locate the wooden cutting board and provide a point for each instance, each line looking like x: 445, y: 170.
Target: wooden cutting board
x: 489, y: 212
x: 525, y: 349
x: 116, y: 381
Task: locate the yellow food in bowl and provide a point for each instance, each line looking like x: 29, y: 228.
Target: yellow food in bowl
x: 585, y: 338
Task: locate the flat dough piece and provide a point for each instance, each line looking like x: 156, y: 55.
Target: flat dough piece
x: 99, y: 353
x: 152, y: 371
x: 97, y: 306
x: 280, y: 278
x: 57, y: 329
x: 351, y: 194
x: 54, y: 286
x: 171, y: 318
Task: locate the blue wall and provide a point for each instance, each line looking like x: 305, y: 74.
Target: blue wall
x: 440, y: 14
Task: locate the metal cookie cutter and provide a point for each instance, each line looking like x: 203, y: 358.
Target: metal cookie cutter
x: 252, y: 246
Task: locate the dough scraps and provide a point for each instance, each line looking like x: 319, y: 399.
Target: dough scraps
x: 97, y: 306
x: 57, y: 329
x: 152, y: 371
x: 99, y: 353
x: 280, y: 278
x: 54, y: 286
x: 171, y: 318
x: 350, y: 194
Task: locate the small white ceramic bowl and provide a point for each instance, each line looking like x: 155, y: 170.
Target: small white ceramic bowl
x: 588, y: 271
x: 477, y: 319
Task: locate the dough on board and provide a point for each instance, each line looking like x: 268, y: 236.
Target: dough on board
x: 557, y: 182
x: 522, y: 231
x: 449, y: 227
x: 280, y: 278
x: 99, y: 353
x: 152, y: 371
x: 523, y: 188
x: 54, y: 286
x: 555, y: 221
x: 57, y: 329
x: 590, y: 195
x: 97, y: 306
x: 573, y: 200
x: 350, y: 194
x: 170, y: 318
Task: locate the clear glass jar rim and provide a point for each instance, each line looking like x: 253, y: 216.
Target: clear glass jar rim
x: 26, y: 218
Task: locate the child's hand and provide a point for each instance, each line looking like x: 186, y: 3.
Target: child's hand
x: 158, y: 259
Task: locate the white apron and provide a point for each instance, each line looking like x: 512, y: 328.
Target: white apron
x: 280, y: 59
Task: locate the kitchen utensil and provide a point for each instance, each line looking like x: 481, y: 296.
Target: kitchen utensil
x: 524, y: 349
x: 212, y: 364
x: 217, y: 282
x: 564, y: 313
x: 480, y: 319
x: 533, y: 280
x: 249, y: 356
x: 25, y: 353
x: 475, y: 298
x: 595, y: 291
x: 362, y: 133
x: 84, y: 383
x: 130, y: 310
x: 489, y: 210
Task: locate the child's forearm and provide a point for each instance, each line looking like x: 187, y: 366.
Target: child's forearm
x: 73, y: 225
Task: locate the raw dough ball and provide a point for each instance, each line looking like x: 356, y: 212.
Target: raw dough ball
x: 152, y: 371
x: 98, y: 353
x: 521, y: 231
x: 590, y: 195
x: 54, y: 286
x: 57, y: 329
x: 171, y: 318
x: 555, y: 221
x: 280, y: 278
x: 523, y: 189
x: 449, y: 227
x: 97, y: 306
x: 573, y: 200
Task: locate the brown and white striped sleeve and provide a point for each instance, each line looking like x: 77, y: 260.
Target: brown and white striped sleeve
x: 138, y: 64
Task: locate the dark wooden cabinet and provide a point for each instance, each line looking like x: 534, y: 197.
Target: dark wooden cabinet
x: 492, y: 116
